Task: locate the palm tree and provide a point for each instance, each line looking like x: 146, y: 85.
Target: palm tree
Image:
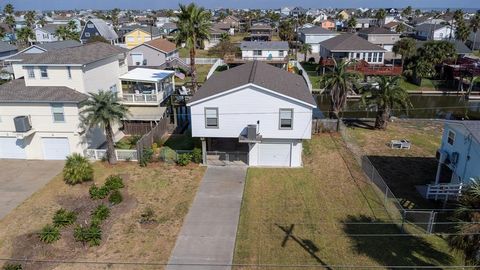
x: 193, y: 29
x: 385, y: 96
x: 406, y: 47
x: 25, y: 35
x: 474, y: 25
x: 30, y: 18
x: 407, y: 11
x: 8, y: 9
x: 352, y: 23
x: 103, y: 109
x: 467, y: 240
x: 225, y: 37
x: 42, y: 21
x: 400, y: 28
x: 340, y: 81
x: 380, y: 16
x: 286, y: 31
x: 62, y: 32
x: 305, y: 49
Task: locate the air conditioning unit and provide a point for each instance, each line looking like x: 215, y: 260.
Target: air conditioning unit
x: 22, y: 123
x: 252, y: 132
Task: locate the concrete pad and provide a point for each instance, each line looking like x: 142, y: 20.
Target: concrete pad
x: 21, y: 178
x: 207, y: 238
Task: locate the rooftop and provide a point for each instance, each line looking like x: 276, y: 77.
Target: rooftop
x: 264, y: 45
x: 16, y: 91
x: 349, y: 42
x: 146, y: 75
x: 260, y: 74
x: 316, y: 30
x: 377, y: 31
x: 162, y: 45
x: 6, y: 47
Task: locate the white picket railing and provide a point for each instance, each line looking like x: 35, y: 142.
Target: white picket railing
x: 141, y: 98
x: 201, y: 61
x: 444, y: 191
x: 304, y: 75
x: 121, y: 154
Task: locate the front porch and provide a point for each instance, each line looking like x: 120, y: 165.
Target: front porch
x: 143, y: 86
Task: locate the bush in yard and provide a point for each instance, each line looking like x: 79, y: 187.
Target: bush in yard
x: 91, y: 235
x: 168, y: 155
x: 184, y: 159
x: 114, y: 182
x: 197, y: 155
x: 147, y: 216
x: 146, y: 157
x: 115, y: 197
x: 49, y: 234
x: 12, y: 266
x: 63, y: 218
x: 77, y: 170
x: 101, y: 213
x: 97, y: 193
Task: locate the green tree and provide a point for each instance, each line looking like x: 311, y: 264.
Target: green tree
x: 30, y: 18
x: 400, y: 28
x: 114, y: 16
x: 385, y: 95
x: 25, y: 35
x: 193, y: 29
x: 305, y: 49
x: 418, y: 12
x: 286, y: 31
x: 224, y: 47
x: 10, y: 21
x: 467, y: 238
x: 406, y: 47
x: 339, y: 82
x: 8, y: 9
x: 42, y: 21
x: 103, y: 109
x: 380, y: 16
x: 407, y: 11
x: 474, y: 25
x: 462, y: 31
x: 352, y: 24
x: 97, y: 39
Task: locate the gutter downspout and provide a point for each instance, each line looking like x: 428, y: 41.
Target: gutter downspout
x: 467, y: 158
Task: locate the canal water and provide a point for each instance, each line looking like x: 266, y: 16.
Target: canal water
x: 424, y: 106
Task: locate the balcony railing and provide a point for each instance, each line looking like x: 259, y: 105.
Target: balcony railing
x: 239, y: 58
x: 444, y: 191
x: 142, y: 98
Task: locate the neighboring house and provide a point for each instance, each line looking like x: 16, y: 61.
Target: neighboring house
x: 350, y: 46
x: 382, y: 37
x: 255, y: 113
x: 320, y: 17
x: 474, y: 37
x: 7, y: 50
x: 215, y: 38
x: 298, y: 11
x: 459, y: 153
x: 152, y: 53
x: 328, y: 24
x: 46, y: 33
x: 273, y: 52
x: 392, y: 26
x: 98, y: 27
x: 344, y: 15
x: 285, y: 10
x: 169, y: 28
x: 428, y: 31
x: 141, y: 35
x: 41, y: 111
x: 260, y: 32
x: 232, y: 21
x: 364, y: 23
x: 230, y: 29
x: 314, y: 36
x: 460, y: 48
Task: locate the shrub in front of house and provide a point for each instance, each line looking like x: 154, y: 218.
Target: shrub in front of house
x: 101, y: 213
x: 49, y: 234
x: 114, y: 182
x: 77, y: 170
x: 168, y: 155
x: 197, y: 155
x: 63, y: 218
x: 91, y: 234
x: 115, y: 197
x: 147, y: 216
x: 12, y: 266
x: 147, y: 156
x: 97, y: 193
x: 184, y: 159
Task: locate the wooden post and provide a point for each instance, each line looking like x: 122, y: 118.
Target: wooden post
x: 204, y: 151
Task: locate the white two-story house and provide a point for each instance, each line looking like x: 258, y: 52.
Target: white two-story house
x: 314, y: 36
x: 273, y: 52
x: 40, y: 109
x: 255, y: 114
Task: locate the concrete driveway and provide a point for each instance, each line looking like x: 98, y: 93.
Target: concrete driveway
x: 19, y: 179
x: 207, y: 238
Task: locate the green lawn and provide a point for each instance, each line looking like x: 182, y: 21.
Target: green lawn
x: 311, y: 69
x: 476, y: 53
x: 330, y: 204
x: 184, y: 53
x: 426, y: 84
x: 202, y: 72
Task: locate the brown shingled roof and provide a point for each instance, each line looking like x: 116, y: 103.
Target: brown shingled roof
x: 16, y: 91
x: 162, y: 45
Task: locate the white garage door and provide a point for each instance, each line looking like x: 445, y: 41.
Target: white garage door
x: 55, y: 148
x: 12, y: 148
x: 274, y: 154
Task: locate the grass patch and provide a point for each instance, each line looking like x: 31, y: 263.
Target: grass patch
x: 202, y: 72
x: 311, y: 69
x: 162, y: 187
x: 325, y: 201
x: 426, y: 85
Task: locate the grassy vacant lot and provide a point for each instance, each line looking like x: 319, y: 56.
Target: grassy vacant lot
x: 167, y: 189
x: 330, y: 205
x: 403, y: 169
x: 202, y: 72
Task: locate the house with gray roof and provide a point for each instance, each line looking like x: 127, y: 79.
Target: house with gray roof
x: 47, y: 33
x: 7, y: 49
x: 41, y: 106
x: 429, y: 31
x: 274, y: 52
x: 382, y: 37
x: 352, y: 47
x: 98, y: 27
x: 314, y: 35
x: 254, y: 114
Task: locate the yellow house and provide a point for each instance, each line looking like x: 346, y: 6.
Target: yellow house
x: 140, y: 36
x: 344, y: 15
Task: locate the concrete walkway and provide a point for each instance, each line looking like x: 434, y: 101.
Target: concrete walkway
x: 207, y: 238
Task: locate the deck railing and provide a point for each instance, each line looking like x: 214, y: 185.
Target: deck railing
x: 141, y: 98
x: 121, y: 154
x: 444, y: 191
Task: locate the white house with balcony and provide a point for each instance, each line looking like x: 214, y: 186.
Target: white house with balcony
x: 40, y: 109
x: 272, y: 52
x: 254, y: 114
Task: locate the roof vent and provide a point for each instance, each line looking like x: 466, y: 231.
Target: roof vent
x: 22, y: 123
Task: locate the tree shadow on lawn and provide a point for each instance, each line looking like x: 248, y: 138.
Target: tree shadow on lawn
x: 403, y: 174
x: 392, y: 251
x: 364, y: 124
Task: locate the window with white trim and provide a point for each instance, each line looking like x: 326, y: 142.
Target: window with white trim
x: 211, y: 117
x: 451, y: 137
x: 31, y: 72
x: 286, y: 118
x: 58, y: 113
x: 43, y: 73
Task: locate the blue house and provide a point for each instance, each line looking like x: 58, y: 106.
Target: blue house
x: 458, y: 158
x: 98, y: 27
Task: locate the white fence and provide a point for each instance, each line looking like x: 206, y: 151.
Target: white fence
x: 201, y: 61
x: 121, y: 154
x: 304, y: 75
x: 444, y: 191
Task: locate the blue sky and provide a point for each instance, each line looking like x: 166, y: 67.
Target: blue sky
x: 157, y: 4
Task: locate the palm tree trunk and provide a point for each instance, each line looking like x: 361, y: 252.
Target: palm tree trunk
x: 193, y: 69
x: 381, y: 121
x: 305, y: 57
x: 112, y: 159
x: 474, y: 40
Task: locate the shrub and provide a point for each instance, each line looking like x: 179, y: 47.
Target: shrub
x: 307, y: 147
x: 146, y: 157
x: 100, y: 213
x: 168, y: 155
x: 147, y: 216
x: 64, y: 218
x: 197, y: 155
x: 97, y: 193
x: 115, y: 197
x: 184, y: 159
x: 114, y: 182
x: 91, y: 234
x: 49, y: 234
x: 77, y: 170
x: 12, y: 266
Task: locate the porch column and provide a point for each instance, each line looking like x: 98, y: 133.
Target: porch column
x: 204, y: 151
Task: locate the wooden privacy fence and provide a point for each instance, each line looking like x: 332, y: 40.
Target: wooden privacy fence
x: 152, y: 136
x: 324, y: 125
